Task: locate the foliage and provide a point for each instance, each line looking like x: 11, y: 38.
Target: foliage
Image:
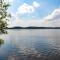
x: 3, y: 16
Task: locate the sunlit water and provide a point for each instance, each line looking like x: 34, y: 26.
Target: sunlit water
x: 33, y: 44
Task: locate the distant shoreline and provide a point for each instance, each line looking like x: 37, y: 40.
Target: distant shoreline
x: 34, y: 28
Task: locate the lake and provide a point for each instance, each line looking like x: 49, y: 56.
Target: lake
x: 30, y: 44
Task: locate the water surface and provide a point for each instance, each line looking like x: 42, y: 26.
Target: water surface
x: 31, y: 44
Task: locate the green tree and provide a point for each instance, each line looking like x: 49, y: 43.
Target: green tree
x: 3, y: 16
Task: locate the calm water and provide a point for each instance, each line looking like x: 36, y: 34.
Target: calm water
x: 31, y: 45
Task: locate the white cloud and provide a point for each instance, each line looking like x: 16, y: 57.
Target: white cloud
x: 54, y: 14
x: 26, y: 8
x: 36, y: 4
x: 51, y: 20
x: 10, y: 1
x: 24, y: 23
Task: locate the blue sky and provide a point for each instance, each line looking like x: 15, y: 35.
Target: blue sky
x: 28, y: 10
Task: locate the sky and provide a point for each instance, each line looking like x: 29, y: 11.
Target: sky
x: 34, y: 13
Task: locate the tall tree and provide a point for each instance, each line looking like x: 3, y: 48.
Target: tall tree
x: 3, y: 16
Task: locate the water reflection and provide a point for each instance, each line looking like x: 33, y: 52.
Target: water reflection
x: 31, y: 45
x: 1, y: 42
